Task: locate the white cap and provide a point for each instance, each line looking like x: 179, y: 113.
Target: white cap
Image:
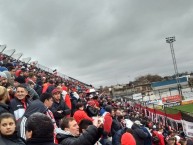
x: 137, y: 122
x: 3, y: 75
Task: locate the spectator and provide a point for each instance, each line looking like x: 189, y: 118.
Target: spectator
x: 107, y: 119
x: 159, y: 134
x: 59, y: 107
x: 127, y: 139
x: 116, y: 123
x: 80, y: 113
x: 50, y: 86
x: 3, y: 80
x: 91, y: 109
x: 74, y: 99
x: 116, y: 139
x: 84, y: 124
x: 20, y: 102
x: 47, y: 99
x: 9, y: 78
x: 20, y: 76
x: 66, y: 96
x: 8, y: 135
x: 39, y: 130
x: 35, y: 106
x: 70, y: 134
x: 171, y: 141
x: 139, y: 135
x: 144, y: 127
x: 4, y: 99
x: 11, y: 70
x: 32, y: 93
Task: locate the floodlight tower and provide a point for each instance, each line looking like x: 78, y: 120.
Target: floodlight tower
x: 170, y: 40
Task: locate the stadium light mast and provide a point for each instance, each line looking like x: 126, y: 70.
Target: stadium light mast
x: 170, y: 40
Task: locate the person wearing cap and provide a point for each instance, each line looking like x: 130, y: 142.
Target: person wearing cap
x: 59, y: 107
x: 3, y: 79
x: 138, y: 133
x: 19, y: 79
x: 92, y: 109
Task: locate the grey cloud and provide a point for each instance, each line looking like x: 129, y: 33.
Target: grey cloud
x: 100, y: 42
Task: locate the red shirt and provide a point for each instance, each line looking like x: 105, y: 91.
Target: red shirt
x: 107, y: 122
x: 97, y: 103
x: 160, y: 136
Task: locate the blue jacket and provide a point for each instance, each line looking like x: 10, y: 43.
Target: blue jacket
x: 148, y: 140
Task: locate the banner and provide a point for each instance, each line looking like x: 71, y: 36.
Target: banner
x: 172, y: 104
x: 187, y: 124
x: 187, y: 128
x: 137, y: 96
x: 184, y: 102
x: 176, y: 98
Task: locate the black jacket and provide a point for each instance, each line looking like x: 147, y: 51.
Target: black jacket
x: 116, y: 139
x: 11, y: 140
x: 116, y: 125
x: 89, y: 137
x: 35, y: 106
x: 4, y: 108
x: 91, y: 111
x: 61, y: 106
x: 40, y: 141
x: 139, y: 135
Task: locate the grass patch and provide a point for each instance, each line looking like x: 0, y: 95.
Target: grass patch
x: 174, y: 110
x: 186, y: 108
x: 171, y: 111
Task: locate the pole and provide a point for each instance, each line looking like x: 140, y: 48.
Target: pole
x: 4, y: 47
x: 20, y: 56
x: 165, y: 115
x: 170, y: 40
x: 12, y: 53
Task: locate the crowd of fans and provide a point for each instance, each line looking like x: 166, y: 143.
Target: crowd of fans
x: 40, y: 108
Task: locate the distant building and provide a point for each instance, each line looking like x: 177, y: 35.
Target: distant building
x: 171, y: 89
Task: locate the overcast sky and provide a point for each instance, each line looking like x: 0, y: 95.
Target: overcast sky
x: 100, y: 42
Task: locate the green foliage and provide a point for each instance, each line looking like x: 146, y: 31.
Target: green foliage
x: 148, y: 78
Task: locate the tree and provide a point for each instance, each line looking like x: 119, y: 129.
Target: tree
x: 148, y: 79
